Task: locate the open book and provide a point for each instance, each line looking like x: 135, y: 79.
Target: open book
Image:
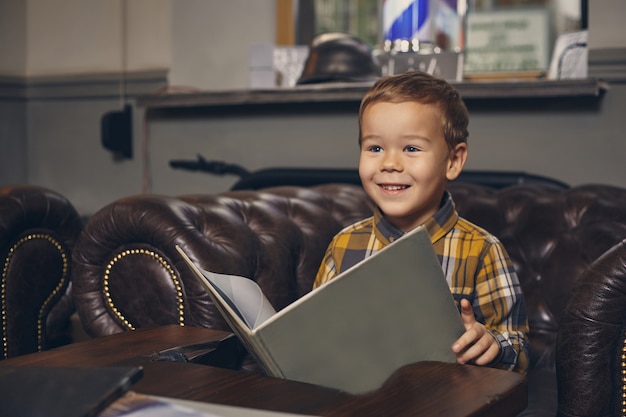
x: 391, y: 309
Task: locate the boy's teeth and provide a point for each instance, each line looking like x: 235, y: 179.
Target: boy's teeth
x: 394, y: 187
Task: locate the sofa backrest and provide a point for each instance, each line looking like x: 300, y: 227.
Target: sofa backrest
x: 127, y: 272
x: 552, y: 235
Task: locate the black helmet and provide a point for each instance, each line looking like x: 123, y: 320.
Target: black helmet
x: 339, y: 57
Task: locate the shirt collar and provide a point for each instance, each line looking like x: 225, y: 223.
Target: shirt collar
x: 437, y: 226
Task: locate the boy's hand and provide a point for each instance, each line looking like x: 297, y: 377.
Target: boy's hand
x: 477, y: 345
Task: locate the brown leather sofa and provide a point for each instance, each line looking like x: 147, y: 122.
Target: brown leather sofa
x: 127, y: 273
x: 38, y: 228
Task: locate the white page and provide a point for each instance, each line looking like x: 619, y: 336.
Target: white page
x: 245, y: 296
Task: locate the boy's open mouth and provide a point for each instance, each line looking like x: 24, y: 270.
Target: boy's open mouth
x: 393, y: 187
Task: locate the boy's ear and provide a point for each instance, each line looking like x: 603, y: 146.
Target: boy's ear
x: 456, y: 161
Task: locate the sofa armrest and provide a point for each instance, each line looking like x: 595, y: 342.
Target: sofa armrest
x: 38, y: 228
x: 128, y: 274
x: 591, y: 341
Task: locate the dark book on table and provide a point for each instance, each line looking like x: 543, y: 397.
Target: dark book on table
x: 27, y: 391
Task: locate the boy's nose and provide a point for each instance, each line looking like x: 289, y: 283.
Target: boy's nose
x: 391, y: 162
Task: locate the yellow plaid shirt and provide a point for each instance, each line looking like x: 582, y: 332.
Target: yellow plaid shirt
x: 474, y: 262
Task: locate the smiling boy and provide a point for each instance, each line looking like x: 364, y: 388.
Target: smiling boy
x: 413, y: 140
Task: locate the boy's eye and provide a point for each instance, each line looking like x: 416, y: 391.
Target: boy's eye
x: 411, y: 149
x: 375, y: 148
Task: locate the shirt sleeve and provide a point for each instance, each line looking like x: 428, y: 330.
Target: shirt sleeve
x: 501, y: 304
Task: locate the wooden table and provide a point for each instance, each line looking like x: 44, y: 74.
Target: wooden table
x: 421, y: 389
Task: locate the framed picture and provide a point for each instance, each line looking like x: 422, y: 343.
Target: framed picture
x: 507, y: 41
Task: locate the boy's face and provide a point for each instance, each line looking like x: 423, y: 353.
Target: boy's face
x: 405, y: 163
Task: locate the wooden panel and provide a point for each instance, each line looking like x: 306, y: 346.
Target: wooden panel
x: 285, y: 31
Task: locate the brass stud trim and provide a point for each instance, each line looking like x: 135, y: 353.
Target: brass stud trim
x: 142, y: 252
x: 47, y: 301
x: 624, y: 377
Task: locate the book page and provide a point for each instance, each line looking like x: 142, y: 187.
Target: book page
x: 243, y: 295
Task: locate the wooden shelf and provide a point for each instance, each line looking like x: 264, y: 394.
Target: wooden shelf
x: 353, y: 92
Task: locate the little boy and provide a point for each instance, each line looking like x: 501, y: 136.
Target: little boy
x: 413, y: 140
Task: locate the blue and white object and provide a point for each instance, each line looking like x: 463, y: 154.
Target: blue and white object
x: 406, y: 24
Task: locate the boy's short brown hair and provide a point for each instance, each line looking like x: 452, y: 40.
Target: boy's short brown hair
x: 422, y: 88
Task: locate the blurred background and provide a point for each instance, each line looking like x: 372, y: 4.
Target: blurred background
x: 65, y: 64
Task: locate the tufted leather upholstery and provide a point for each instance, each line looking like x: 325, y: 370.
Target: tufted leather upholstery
x: 553, y: 236
x: 38, y: 228
x: 127, y: 273
x: 591, y: 352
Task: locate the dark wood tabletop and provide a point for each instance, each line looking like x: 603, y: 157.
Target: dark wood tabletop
x: 421, y: 389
